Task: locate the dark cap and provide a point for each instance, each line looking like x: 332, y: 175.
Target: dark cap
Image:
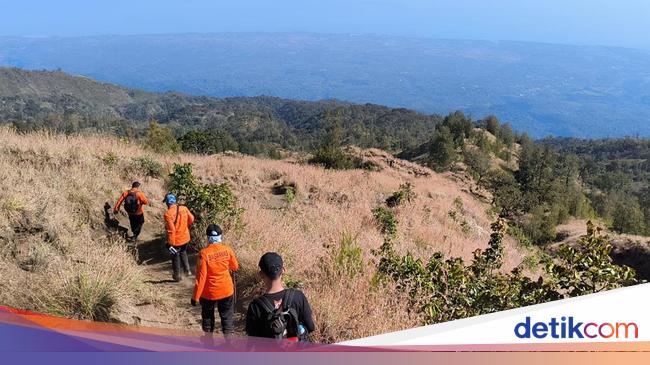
x: 136, y: 184
x: 271, y: 265
x: 213, y: 230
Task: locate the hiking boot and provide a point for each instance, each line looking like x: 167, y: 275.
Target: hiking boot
x: 188, y: 273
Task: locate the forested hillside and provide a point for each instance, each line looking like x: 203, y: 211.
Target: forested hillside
x: 65, y: 103
x: 541, y: 184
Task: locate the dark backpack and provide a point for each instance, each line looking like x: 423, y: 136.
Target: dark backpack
x: 131, y: 203
x: 281, y: 322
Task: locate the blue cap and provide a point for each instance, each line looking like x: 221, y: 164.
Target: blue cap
x: 170, y: 198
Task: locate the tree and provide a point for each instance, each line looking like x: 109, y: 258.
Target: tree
x: 442, y: 152
x: 477, y: 162
x: 161, y: 140
x: 331, y: 154
x: 507, y: 135
x: 460, y: 127
x: 644, y: 199
x: 208, y: 142
x: 506, y: 192
x: 628, y: 216
x: 492, y: 125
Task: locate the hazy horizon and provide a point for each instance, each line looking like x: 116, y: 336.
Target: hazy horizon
x: 578, y: 22
x: 393, y: 36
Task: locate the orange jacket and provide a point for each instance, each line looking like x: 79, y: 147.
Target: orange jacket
x: 178, y: 227
x: 213, y: 279
x: 142, y: 200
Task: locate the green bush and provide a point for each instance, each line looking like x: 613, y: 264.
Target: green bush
x: 161, y: 139
x: 628, y: 217
x: 458, y: 215
x: 210, y: 203
x: 110, y: 159
x: 346, y: 258
x: 147, y: 166
x: 386, y: 220
x: 442, y: 290
x: 587, y: 267
x: 334, y: 158
x: 405, y: 193
x: 208, y: 142
x: 520, y: 235
x: 290, y: 194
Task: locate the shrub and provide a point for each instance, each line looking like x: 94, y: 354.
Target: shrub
x: 386, y: 220
x: 287, y: 189
x: 628, y: 217
x: 334, y: 158
x: 346, y: 258
x: 161, y: 139
x: 443, y: 290
x: 110, y: 159
x: 208, y: 142
x: 210, y: 203
x: 518, y: 233
x: 289, y: 194
x: 587, y: 267
x: 405, y: 193
x: 147, y: 166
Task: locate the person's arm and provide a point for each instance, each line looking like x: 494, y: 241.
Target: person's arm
x: 143, y: 199
x: 117, y: 206
x: 305, y: 315
x: 190, y: 218
x: 169, y: 226
x: 201, y: 276
x: 233, y: 264
x: 252, y: 327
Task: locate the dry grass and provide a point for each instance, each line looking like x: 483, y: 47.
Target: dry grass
x: 53, y: 188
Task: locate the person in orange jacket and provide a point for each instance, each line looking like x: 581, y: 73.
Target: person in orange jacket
x: 133, y: 200
x: 178, y: 220
x: 214, y: 282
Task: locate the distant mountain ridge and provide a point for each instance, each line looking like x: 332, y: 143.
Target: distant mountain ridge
x: 54, y: 99
x: 543, y: 89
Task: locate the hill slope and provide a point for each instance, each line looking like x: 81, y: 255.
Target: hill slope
x: 69, y: 103
x: 539, y: 88
x: 59, y: 256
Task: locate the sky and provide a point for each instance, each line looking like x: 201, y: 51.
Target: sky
x: 623, y: 23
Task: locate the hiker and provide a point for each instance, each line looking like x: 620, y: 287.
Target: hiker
x: 214, y: 283
x: 133, y: 200
x: 280, y: 313
x: 178, y: 220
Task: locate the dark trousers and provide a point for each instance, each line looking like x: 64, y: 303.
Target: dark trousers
x: 178, y: 259
x: 226, y: 308
x: 136, y: 222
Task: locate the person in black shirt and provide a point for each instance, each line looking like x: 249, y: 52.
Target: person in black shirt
x: 257, y: 324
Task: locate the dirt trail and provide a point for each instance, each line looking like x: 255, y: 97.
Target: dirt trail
x: 176, y: 311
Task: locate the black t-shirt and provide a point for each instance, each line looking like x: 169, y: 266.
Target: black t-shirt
x: 256, y: 315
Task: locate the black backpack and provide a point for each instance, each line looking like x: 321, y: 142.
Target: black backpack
x: 131, y: 203
x: 281, y: 322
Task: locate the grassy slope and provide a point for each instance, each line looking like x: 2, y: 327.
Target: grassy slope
x: 56, y: 249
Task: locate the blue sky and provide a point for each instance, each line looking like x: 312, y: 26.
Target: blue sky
x: 605, y: 22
